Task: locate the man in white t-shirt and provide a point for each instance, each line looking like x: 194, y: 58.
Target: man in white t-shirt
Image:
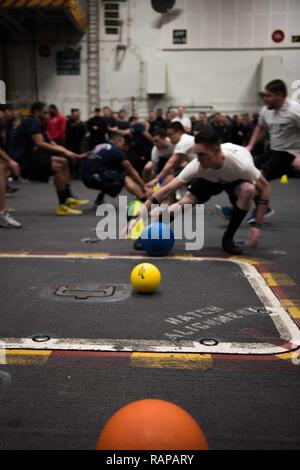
x: 183, y: 119
x: 162, y: 150
x: 183, y: 151
x: 218, y: 168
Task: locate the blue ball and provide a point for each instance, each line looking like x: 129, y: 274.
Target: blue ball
x: 157, y: 239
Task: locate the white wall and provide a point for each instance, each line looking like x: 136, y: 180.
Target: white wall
x: 31, y: 76
x: 225, y: 79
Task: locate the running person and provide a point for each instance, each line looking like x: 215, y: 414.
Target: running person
x: 107, y: 169
x: 221, y: 168
x: 281, y: 117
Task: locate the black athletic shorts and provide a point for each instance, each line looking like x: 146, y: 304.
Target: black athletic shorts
x: 203, y: 190
x: 275, y: 164
x: 109, y: 181
x: 38, y: 167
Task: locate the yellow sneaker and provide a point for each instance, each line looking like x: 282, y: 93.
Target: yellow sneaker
x: 62, y: 209
x: 73, y: 202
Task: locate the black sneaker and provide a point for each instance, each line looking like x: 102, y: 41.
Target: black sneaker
x: 230, y: 247
x: 138, y: 245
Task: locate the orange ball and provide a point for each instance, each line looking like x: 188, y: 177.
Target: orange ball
x: 152, y: 425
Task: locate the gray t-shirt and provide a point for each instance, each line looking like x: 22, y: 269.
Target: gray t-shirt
x: 284, y: 126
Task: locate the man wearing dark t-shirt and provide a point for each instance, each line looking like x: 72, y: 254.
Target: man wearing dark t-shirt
x: 141, y: 143
x: 39, y: 158
x: 107, y: 169
x: 97, y: 128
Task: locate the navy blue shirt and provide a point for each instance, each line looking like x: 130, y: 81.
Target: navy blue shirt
x: 104, y: 157
x: 22, y: 144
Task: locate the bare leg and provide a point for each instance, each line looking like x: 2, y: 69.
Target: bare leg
x: 245, y: 193
x: 133, y: 188
x: 61, y: 173
x: 296, y: 163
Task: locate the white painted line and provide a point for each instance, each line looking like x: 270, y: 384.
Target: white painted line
x: 286, y: 327
x: 113, y: 345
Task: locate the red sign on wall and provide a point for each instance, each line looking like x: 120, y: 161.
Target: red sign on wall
x: 278, y: 35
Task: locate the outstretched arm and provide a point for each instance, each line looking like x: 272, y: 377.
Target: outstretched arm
x: 262, y: 202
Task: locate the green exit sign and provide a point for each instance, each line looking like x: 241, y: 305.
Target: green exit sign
x: 179, y: 36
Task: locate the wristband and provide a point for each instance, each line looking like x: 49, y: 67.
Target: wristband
x: 256, y: 225
x: 262, y: 202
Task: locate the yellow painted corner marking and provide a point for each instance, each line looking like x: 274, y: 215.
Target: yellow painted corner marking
x: 171, y: 361
x: 278, y: 279
x: 293, y: 307
x: 293, y: 357
x: 20, y: 357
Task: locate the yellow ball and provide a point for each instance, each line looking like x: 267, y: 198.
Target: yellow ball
x: 145, y: 278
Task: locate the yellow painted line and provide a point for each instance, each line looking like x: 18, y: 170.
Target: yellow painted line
x: 87, y: 255
x: 171, y: 361
x: 293, y: 307
x: 20, y: 357
x: 26, y: 352
x: 278, y: 279
x: 249, y: 260
x: 14, y: 254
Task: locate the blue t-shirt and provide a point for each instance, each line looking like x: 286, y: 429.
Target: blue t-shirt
x: 104, y: 157
x: 22, y: 144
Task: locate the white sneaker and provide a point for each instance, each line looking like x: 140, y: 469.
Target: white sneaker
x: 8, y: 221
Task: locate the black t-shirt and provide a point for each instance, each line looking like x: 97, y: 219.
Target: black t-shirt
x: 74, y: 135
x: 142, y: 146
x: 97, y: 127
x: 104, y: 157
x: 224, y: 132
x: 197, y: 127
x: 22, y: 144
x: 158, y: 123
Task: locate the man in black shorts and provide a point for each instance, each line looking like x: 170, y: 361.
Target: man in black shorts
x: 107, y: 169
x: 219, y: 168
x: 281, y: 118
x: 39, y: 159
